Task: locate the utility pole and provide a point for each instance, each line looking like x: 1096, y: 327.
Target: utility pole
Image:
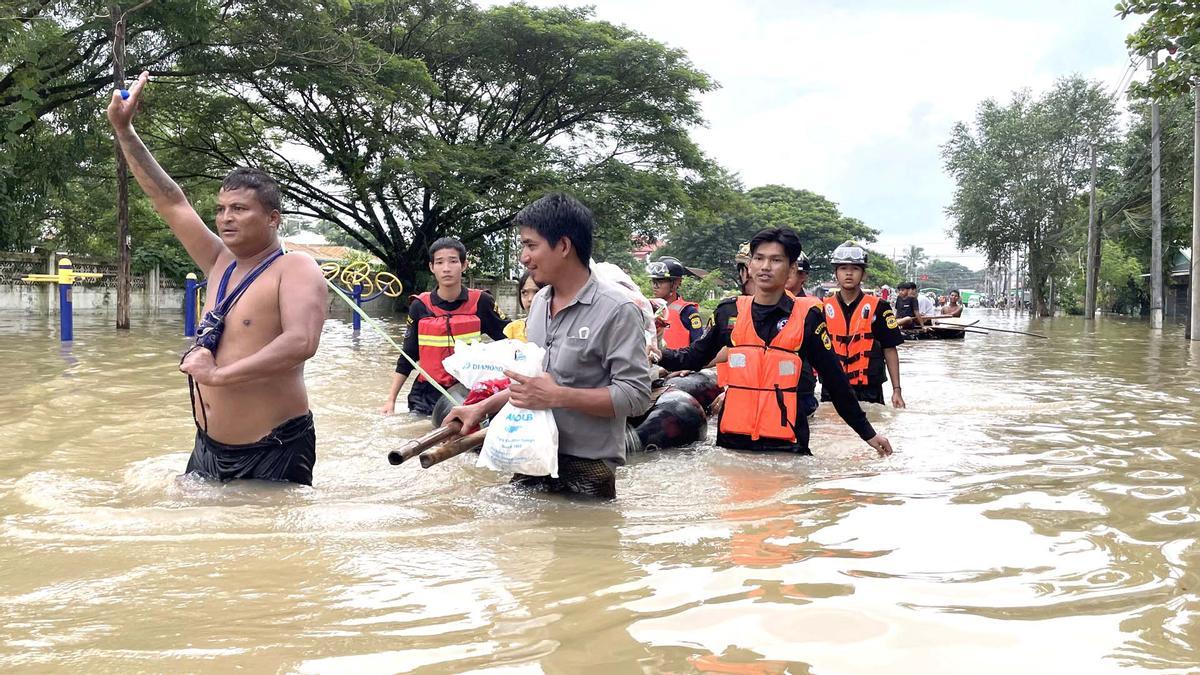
x: 1089, y: 296
x: 1156, y: 263
x: 1194, y: 279
x: 124, y: 281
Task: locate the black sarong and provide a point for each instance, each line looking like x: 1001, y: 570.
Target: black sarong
x: 288, y: 453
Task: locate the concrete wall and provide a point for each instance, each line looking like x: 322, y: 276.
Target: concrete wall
x: 149, y: 292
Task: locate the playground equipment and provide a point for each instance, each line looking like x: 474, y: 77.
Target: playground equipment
x: 191, y: 303
x: 357, y: 281
x: 355, y: 278
x: 65, y: 279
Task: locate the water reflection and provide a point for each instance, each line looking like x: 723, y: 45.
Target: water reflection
x: 1040, y: 516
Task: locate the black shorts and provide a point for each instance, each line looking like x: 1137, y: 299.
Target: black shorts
x: 288, y: 453
x: 422, y: 398
x: 576, y: 475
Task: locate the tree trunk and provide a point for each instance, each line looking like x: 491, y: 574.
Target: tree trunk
x: 124, y: 280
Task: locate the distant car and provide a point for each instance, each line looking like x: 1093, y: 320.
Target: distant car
x: 973, y: 302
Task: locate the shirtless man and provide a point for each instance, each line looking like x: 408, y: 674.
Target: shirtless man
x: 250, y: 395
x: 953, y: 308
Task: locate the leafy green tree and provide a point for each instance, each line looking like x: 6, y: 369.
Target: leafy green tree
x: 1167, y: 25
x: 1126, y: 199
x: 440, y: 118
x: 912, y: 261
x: 818, y: 222
x: 950, y: 275
x: 1020, y: 171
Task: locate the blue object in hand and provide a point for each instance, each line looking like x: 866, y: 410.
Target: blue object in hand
x: 124, y: 94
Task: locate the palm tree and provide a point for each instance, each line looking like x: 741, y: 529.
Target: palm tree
x: 912, y: 261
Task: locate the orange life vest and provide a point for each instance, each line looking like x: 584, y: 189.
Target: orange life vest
x: 808, y: 302
x: 436, y: 334
x: 761, y: 379
x: 676, y: 335
x: 852, y: 336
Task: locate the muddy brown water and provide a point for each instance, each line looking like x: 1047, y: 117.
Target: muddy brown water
x: 1040, y: 516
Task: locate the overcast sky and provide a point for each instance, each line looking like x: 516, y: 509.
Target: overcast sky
x: 852, y: 98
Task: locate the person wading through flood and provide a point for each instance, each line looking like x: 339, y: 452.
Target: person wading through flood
x: 769, y: 334
x: 797, y: 278
x: 864, y: 330
x: 248, y: 400
x: 682, y: 318
x: 596, y: 371
x: 435, y: 320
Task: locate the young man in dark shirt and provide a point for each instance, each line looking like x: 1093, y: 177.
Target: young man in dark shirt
x: 435, y: 320
x: 864, y: 330
x: 907, y: 308
x: 762, y: 371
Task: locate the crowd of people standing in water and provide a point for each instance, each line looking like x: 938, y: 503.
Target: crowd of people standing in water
x: 769, y: 344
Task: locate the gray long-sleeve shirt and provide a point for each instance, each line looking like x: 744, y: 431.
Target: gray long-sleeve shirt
x: 598, y: 340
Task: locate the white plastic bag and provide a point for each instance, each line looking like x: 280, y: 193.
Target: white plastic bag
x: 520, y: 440
x: 615, y: 275
x: 474, y: 362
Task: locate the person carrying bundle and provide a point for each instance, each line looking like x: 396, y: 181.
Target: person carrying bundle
x: 596, y: 371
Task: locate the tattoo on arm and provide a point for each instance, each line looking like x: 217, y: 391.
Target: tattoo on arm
x: 150, y: 175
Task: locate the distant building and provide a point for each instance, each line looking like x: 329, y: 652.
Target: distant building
x: 1176, y: 293
x: 641, y: 253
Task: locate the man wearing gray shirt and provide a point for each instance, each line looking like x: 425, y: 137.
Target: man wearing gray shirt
x: 596, y: 370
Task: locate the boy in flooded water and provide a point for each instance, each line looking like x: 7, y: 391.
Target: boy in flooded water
x: 596, y: 371
x: 435, y: 320
x: 864, y: 330
x: 249, y: 394
x: 769, y: 335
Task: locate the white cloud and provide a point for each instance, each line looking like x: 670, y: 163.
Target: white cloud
x: 853, y: 102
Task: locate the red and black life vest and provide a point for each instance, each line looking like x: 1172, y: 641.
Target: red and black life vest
x: 436, y: 333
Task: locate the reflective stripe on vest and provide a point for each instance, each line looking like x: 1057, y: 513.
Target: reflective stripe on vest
x: 436, y: 334
x: 852, y: 337
x: 676, y: 335
x: 761, y: 379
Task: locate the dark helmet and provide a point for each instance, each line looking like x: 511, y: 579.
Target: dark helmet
x: 666, y: 267
x: 849, y: 253
x: 803, y: 264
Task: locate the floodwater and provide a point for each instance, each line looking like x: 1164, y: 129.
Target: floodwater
x: 1040, y: 516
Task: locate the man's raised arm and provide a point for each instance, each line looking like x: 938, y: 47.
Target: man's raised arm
x: 201, y: 244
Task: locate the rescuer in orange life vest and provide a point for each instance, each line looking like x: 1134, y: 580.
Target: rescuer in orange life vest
x: 684, y: 325
x: 864, y: 330
x: 769, y: 334
x: 452, y: 311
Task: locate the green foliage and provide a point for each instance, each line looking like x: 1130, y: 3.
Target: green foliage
x: 815, y: 219
x: 1120, y: 278
x: 1021, y: 170
x: 1167, y: 25
x: 440, y: 118
x: 882, y: 271
x: 713, y: 285
x: 1126, y: 202
x: 912, y: 261
x: 951, y: 275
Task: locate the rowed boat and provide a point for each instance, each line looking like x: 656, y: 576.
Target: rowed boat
x: 943, y: 329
